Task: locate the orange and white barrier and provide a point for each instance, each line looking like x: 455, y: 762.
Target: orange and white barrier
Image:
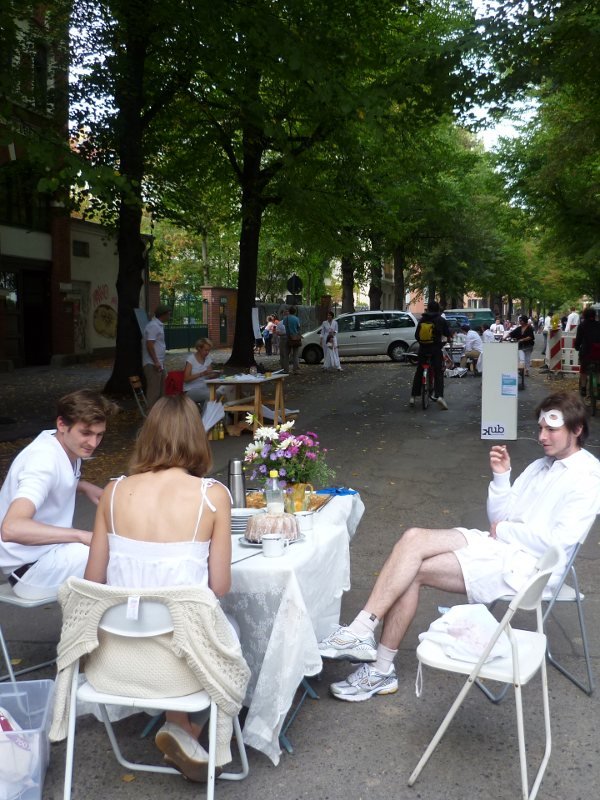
x: 554, y: 351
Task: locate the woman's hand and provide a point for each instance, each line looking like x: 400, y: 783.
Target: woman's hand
x: 499, y: 459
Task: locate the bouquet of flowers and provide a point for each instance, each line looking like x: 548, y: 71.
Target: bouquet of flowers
x: 297, y: 458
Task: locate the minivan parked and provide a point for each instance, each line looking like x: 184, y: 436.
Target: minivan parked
x: 366, y: 333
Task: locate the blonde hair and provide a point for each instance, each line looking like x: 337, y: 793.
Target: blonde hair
x: 172, y: 436
x: 202, y: 341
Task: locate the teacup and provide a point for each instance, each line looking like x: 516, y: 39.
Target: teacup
x: 274, y: 545
x: 305, y: 520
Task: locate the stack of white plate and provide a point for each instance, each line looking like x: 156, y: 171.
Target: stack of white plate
x: 239, y: 518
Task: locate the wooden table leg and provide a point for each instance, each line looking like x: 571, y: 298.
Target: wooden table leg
x: 258, y: 415
x: 279, y: 403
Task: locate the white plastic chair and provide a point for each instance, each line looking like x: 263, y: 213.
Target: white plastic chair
x: 561, y: 593
x: 528, y: 655
x: 10, y: 598
x: 154, y: 619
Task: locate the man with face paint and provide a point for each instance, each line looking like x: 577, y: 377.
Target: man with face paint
x: 553, y: 502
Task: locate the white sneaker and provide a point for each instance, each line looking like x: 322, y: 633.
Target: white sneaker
x: 345, y: 645
x: 442, y: 403
x: 182, y: 751
x: 365, y: 682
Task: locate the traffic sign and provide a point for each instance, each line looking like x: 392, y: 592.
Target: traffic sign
x: 294, y: 284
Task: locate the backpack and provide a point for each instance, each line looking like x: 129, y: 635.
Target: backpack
x: 425, y: 332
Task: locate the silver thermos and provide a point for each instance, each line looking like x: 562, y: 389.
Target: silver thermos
x: 237, y: 483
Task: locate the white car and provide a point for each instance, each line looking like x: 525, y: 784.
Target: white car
x: 366, y: 333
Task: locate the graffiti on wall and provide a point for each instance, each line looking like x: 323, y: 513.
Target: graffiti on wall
x: 105, y: 311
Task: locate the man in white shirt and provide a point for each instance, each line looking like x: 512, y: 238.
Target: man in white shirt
x: 497, y: 328
x: 39, y: 548
x: 572, y: 320
x: 153, y: 354
x: 473, y: 346
x: 553, y: 502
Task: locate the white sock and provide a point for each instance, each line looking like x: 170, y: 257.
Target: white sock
x: 364, y: 624
x: 385, y: 659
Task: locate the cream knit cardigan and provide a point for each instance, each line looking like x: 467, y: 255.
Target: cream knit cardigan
x: 201, y: 635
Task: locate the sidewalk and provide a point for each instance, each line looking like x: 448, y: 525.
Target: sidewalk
x: 411, y: 467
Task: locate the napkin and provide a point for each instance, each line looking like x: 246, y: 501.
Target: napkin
x: 339, y: 490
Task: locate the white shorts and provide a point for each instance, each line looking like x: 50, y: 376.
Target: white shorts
x: 491, y: 568
x: 51, y: 570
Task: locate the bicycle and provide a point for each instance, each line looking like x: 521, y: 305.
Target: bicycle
x: 427, y: 383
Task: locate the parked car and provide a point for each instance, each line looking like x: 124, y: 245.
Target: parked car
x: 366, y: 333
x: 475, y: 316
x: 455, y: 321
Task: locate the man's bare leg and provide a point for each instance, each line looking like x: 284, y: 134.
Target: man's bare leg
x: 422, y: 557
x: 416, y: 547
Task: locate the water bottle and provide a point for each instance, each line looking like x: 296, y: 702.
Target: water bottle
x: 237, y: 484
x: 274, y: 494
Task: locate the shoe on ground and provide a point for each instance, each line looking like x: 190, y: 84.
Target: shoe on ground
x: 345, y: 645
x: 442, y: 403
x: 433, y: 398
x: 462, y: 371
x: 182, y: 751
x: 363, y: 683
x: 411, y: 402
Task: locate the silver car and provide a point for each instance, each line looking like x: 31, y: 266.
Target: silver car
x: 366, y: 333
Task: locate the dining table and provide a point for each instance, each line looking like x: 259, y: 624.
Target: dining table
x: 250, y: 397
x: 284, y: 606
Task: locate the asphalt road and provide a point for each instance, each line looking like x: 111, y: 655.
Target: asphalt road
x: 411, y: 467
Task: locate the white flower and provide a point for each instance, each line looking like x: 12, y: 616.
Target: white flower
x: 266, y: 433
x: 253, y: 448
x: 287, y: 443
x: 286, y: 426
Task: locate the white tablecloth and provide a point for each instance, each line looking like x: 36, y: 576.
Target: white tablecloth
x: 284, y: 606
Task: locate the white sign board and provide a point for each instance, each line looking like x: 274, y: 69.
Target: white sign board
x: 500, y: 390
x: 255, y: 323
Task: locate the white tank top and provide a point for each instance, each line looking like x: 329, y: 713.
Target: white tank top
x: 140, y: 564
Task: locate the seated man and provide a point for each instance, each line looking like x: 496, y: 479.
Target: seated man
x: 473, y: 347
x: 39, y: 548
x: 553, y: 502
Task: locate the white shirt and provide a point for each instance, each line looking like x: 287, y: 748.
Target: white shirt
x: 572, y: 321
x: 552, y: 502
x: 43, y: 474
x: 488, y: 336
x: 198, y: 371
x: 154, y: 332
x: 473, y: 342
x: 497, y: 327
x: 547, y: 324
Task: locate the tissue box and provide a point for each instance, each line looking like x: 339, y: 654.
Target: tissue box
x: 24, y: 754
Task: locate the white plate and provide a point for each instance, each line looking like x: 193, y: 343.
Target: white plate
x: 245, y: 543
x: 244, y: 513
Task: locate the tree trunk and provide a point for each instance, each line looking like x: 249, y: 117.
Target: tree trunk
x: 375, y: 285
x: 399, y: 284
x: 347, y: 284
x: 129, y: 97
x: 252, y: 207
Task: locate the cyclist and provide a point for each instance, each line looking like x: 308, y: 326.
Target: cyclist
x: 430, y: 333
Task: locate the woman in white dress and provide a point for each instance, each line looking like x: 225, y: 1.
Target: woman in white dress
x: 198, y: 367
x: 167, y: 525
x: 329, y: 343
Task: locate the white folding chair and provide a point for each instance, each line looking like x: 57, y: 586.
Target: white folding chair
x: 528, y: 655
x: 154, y: 619
x: 10, y: 598
x: 561, y: 593
x: 139, y: 395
